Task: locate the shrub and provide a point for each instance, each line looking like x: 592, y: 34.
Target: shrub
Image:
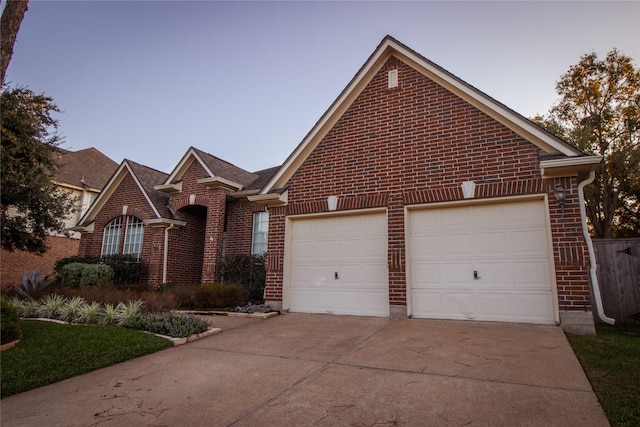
x: 9, y: 322
x: 126, y: 268
x: 76, y: 275
x: 247, y: 270
x: 72, y: 274
x: 76, y: 258
x: 170, y: 324
x: 96, y: 275
x: 219, y: 295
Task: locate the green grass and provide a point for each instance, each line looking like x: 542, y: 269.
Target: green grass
x: 50, y: 352
x: 611, y: 360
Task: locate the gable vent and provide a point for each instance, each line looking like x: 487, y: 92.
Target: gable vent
x: 393, y: 79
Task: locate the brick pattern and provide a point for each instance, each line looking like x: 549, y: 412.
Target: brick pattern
x: 194, y: 250
x: 416, y: 144
x: 239, y: 225
x: 14, y: 263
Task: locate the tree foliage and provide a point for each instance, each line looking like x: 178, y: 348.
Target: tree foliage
x: 31, y: 205
x: 599, y: 113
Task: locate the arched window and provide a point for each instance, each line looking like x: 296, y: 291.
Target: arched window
x: 133, y: 236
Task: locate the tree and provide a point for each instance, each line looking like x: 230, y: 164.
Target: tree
x: 31, y: 205
x: 599, y: 113
x: 12, y: 15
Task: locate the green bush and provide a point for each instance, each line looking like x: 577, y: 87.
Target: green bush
x: 169, y: 324
x: 9, y: 322
x: 247, y: 270
x: 126, y: 268
x: 96, y: 275
x: 76, y: 258
x: 219, y: 295
x: 71, y: 274
x: 76, y: 275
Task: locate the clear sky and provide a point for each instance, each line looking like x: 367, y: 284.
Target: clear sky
x: 245, y: 81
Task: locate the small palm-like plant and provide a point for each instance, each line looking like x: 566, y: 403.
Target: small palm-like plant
x: 70, y: 310
x: 89, y: 313
x: 109, y: 315
x: 31, y: 284
x: 50, y: 305
x: 128, y: 311
x: 30, y: 308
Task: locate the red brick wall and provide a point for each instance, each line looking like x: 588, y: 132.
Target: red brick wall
x: 416, y: 144
x: 14, y: 263
x: 186, y: 247
x: 129, y: 194
x: 240, y: 225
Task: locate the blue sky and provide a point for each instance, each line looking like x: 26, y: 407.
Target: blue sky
x: 246, y: 81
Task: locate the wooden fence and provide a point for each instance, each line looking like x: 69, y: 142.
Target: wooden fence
x: 618, y: 269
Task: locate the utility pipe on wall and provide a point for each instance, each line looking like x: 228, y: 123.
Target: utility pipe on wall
x: 166, y: 253
x: 592, y: 257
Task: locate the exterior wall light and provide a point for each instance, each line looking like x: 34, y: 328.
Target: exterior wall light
x: 561, y: 195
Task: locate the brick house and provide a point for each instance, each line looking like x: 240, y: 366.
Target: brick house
x: 414, y: 195
x: 82, y: 174
x: 179, y: 224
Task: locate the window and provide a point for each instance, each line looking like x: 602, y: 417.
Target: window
x: 260, y: 233
x: 133, y: 236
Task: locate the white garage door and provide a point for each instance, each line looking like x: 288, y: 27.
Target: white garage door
x: 339, y: 265
x: 481, y: 262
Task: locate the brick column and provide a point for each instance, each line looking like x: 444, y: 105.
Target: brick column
x: 214, y: 233
x: 397, y: 257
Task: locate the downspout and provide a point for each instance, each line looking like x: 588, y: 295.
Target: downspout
x: 166, y: 253
x: 592, y: 258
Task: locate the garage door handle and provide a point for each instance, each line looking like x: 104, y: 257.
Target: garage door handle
x: 475, y: 275
x: 336, y: 275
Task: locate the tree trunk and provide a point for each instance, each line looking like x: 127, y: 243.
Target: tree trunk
x: 10, y: 22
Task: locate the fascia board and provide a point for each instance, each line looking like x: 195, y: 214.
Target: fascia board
x: 106, y: 192
x: 271, y: 199
x: 146, y: 196
x: 217, y: 181
x: 568, y: 166
x: 164, y: 222
x: 184, y: 164
x: 488, y: 105
x: 389, y: 47
x: 329, y: 118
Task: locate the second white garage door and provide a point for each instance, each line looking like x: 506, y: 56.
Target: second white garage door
x: 338, y: 264
x: 482, y: 262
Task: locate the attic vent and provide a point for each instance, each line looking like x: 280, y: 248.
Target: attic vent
x: 393, y: 79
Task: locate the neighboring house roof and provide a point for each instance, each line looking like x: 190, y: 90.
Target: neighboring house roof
x: 390, y: 47
x: 85, y: 169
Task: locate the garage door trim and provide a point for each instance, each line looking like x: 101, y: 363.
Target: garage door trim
x: 476, y: 202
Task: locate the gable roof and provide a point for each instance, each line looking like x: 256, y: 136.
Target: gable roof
x: 87, y: 168
x: 389, y: 47
x: 145, y: 178
x: 213, y: 165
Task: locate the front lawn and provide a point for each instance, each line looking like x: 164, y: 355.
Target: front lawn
x: 50, y: 352
x: 611, y: 360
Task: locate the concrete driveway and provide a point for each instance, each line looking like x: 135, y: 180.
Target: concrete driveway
x: 299, y: 369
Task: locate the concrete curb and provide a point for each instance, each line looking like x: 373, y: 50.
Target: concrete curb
x: 180, y: 341
x: 257, y: 315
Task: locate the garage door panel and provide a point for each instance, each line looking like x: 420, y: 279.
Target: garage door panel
x: 354, y: 247
x: 506, y: 243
